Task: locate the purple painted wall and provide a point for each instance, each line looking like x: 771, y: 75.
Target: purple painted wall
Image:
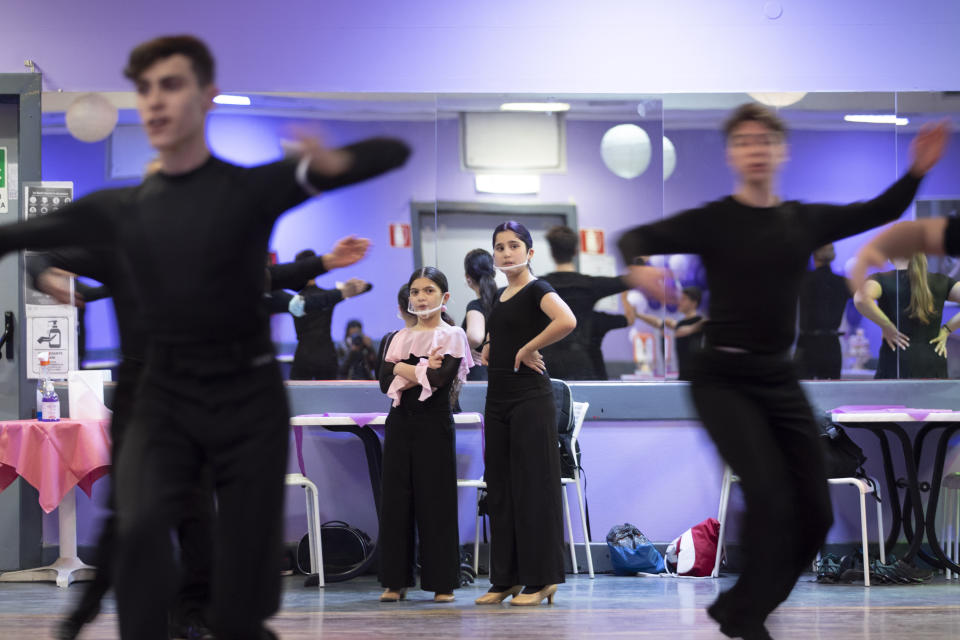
x: 607, y: 46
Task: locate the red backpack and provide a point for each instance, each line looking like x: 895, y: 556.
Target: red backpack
x: 695, y: 551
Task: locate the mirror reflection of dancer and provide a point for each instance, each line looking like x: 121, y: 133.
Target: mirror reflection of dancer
x: 211, y: 393
x: 479, y: 274
x: 315, y: 357
x: 422, y: 368
x: 604, y: 323
x: 823, y: 298
x: 572, y: 358
x: 520, y: 429
x: 744, y: 386
x: 933, y: 236
x: 907, y: 305
x: 687, y: 332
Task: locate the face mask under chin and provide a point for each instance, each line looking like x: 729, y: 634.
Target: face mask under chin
x: 513, y: 267
x: 426, y: 312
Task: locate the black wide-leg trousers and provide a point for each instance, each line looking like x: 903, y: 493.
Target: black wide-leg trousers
x: 523, y: 481
x: 194, y: 529
x: 419, y: 500
x: 758, y: 416
x: 194, y: 412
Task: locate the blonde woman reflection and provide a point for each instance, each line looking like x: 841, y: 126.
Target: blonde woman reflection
x: 907, y: 305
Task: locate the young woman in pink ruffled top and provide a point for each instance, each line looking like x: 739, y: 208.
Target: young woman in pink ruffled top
x: 422, y: 369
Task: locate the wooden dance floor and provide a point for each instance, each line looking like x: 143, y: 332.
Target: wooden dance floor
x: 605, y: 607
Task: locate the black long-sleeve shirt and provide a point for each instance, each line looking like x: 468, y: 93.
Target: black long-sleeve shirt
x: 295, y: 275
x: 756, y: 257
x: 196, y: 236
x: 570, y: 358
x: 440, y: 379
x: 278, y: 301
x: 951, y: 237
x: 581, y: 293
x: 105, y: 266
x: 823, y: 298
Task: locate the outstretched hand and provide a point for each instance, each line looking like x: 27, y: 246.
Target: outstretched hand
x: 928, y: 146
x: 353, y: 287
x: 323, y: 160
x: 653, y: 282
x: 56, y: 283
x: 346, y: 252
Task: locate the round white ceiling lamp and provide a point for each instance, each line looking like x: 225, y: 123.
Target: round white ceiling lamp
x: 91, y: 117
x: 625, y: 150
x: 669, y: 157
x: 778, y: 98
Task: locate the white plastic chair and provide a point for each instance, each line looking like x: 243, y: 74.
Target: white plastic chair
x: 863, y: 487
x: 579, y: 410
x: 313, y: 521
x: 950, y: 525
x: 479, y: 485
x: 579, y: 414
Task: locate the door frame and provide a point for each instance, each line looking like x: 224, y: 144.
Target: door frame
x: 509, y: 212
x: 21, y: 519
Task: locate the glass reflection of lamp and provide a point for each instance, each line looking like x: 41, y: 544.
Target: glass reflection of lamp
x: 626, y: 151
x: 91, y: 117
x: 778, y: 99
x: 669, y: 158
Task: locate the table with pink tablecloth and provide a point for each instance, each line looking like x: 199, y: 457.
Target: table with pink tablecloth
x: 55, y: 457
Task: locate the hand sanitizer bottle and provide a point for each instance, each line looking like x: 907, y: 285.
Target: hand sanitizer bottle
x: 51, y: 404
x: 44, y: 359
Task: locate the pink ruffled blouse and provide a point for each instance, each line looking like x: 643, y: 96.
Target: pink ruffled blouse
x: 409, y: 342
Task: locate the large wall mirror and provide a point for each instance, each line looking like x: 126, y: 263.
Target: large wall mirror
x: 595, y: 165
x: 575, y: 171
x: 839, y: 148
x: 254, y: 134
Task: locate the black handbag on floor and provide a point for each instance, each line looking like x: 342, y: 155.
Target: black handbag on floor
x: 347, y: 551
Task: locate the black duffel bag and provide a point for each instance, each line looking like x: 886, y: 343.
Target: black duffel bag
x: 347, y: 552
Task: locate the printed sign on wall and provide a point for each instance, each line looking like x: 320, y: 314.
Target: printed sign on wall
x: 41, y: 198
x: 51, y: 327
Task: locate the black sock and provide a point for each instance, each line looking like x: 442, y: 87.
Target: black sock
x: 498, y: 588
x: 533, y: 588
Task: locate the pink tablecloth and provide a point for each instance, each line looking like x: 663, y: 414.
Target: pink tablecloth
x: 54, y: 457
